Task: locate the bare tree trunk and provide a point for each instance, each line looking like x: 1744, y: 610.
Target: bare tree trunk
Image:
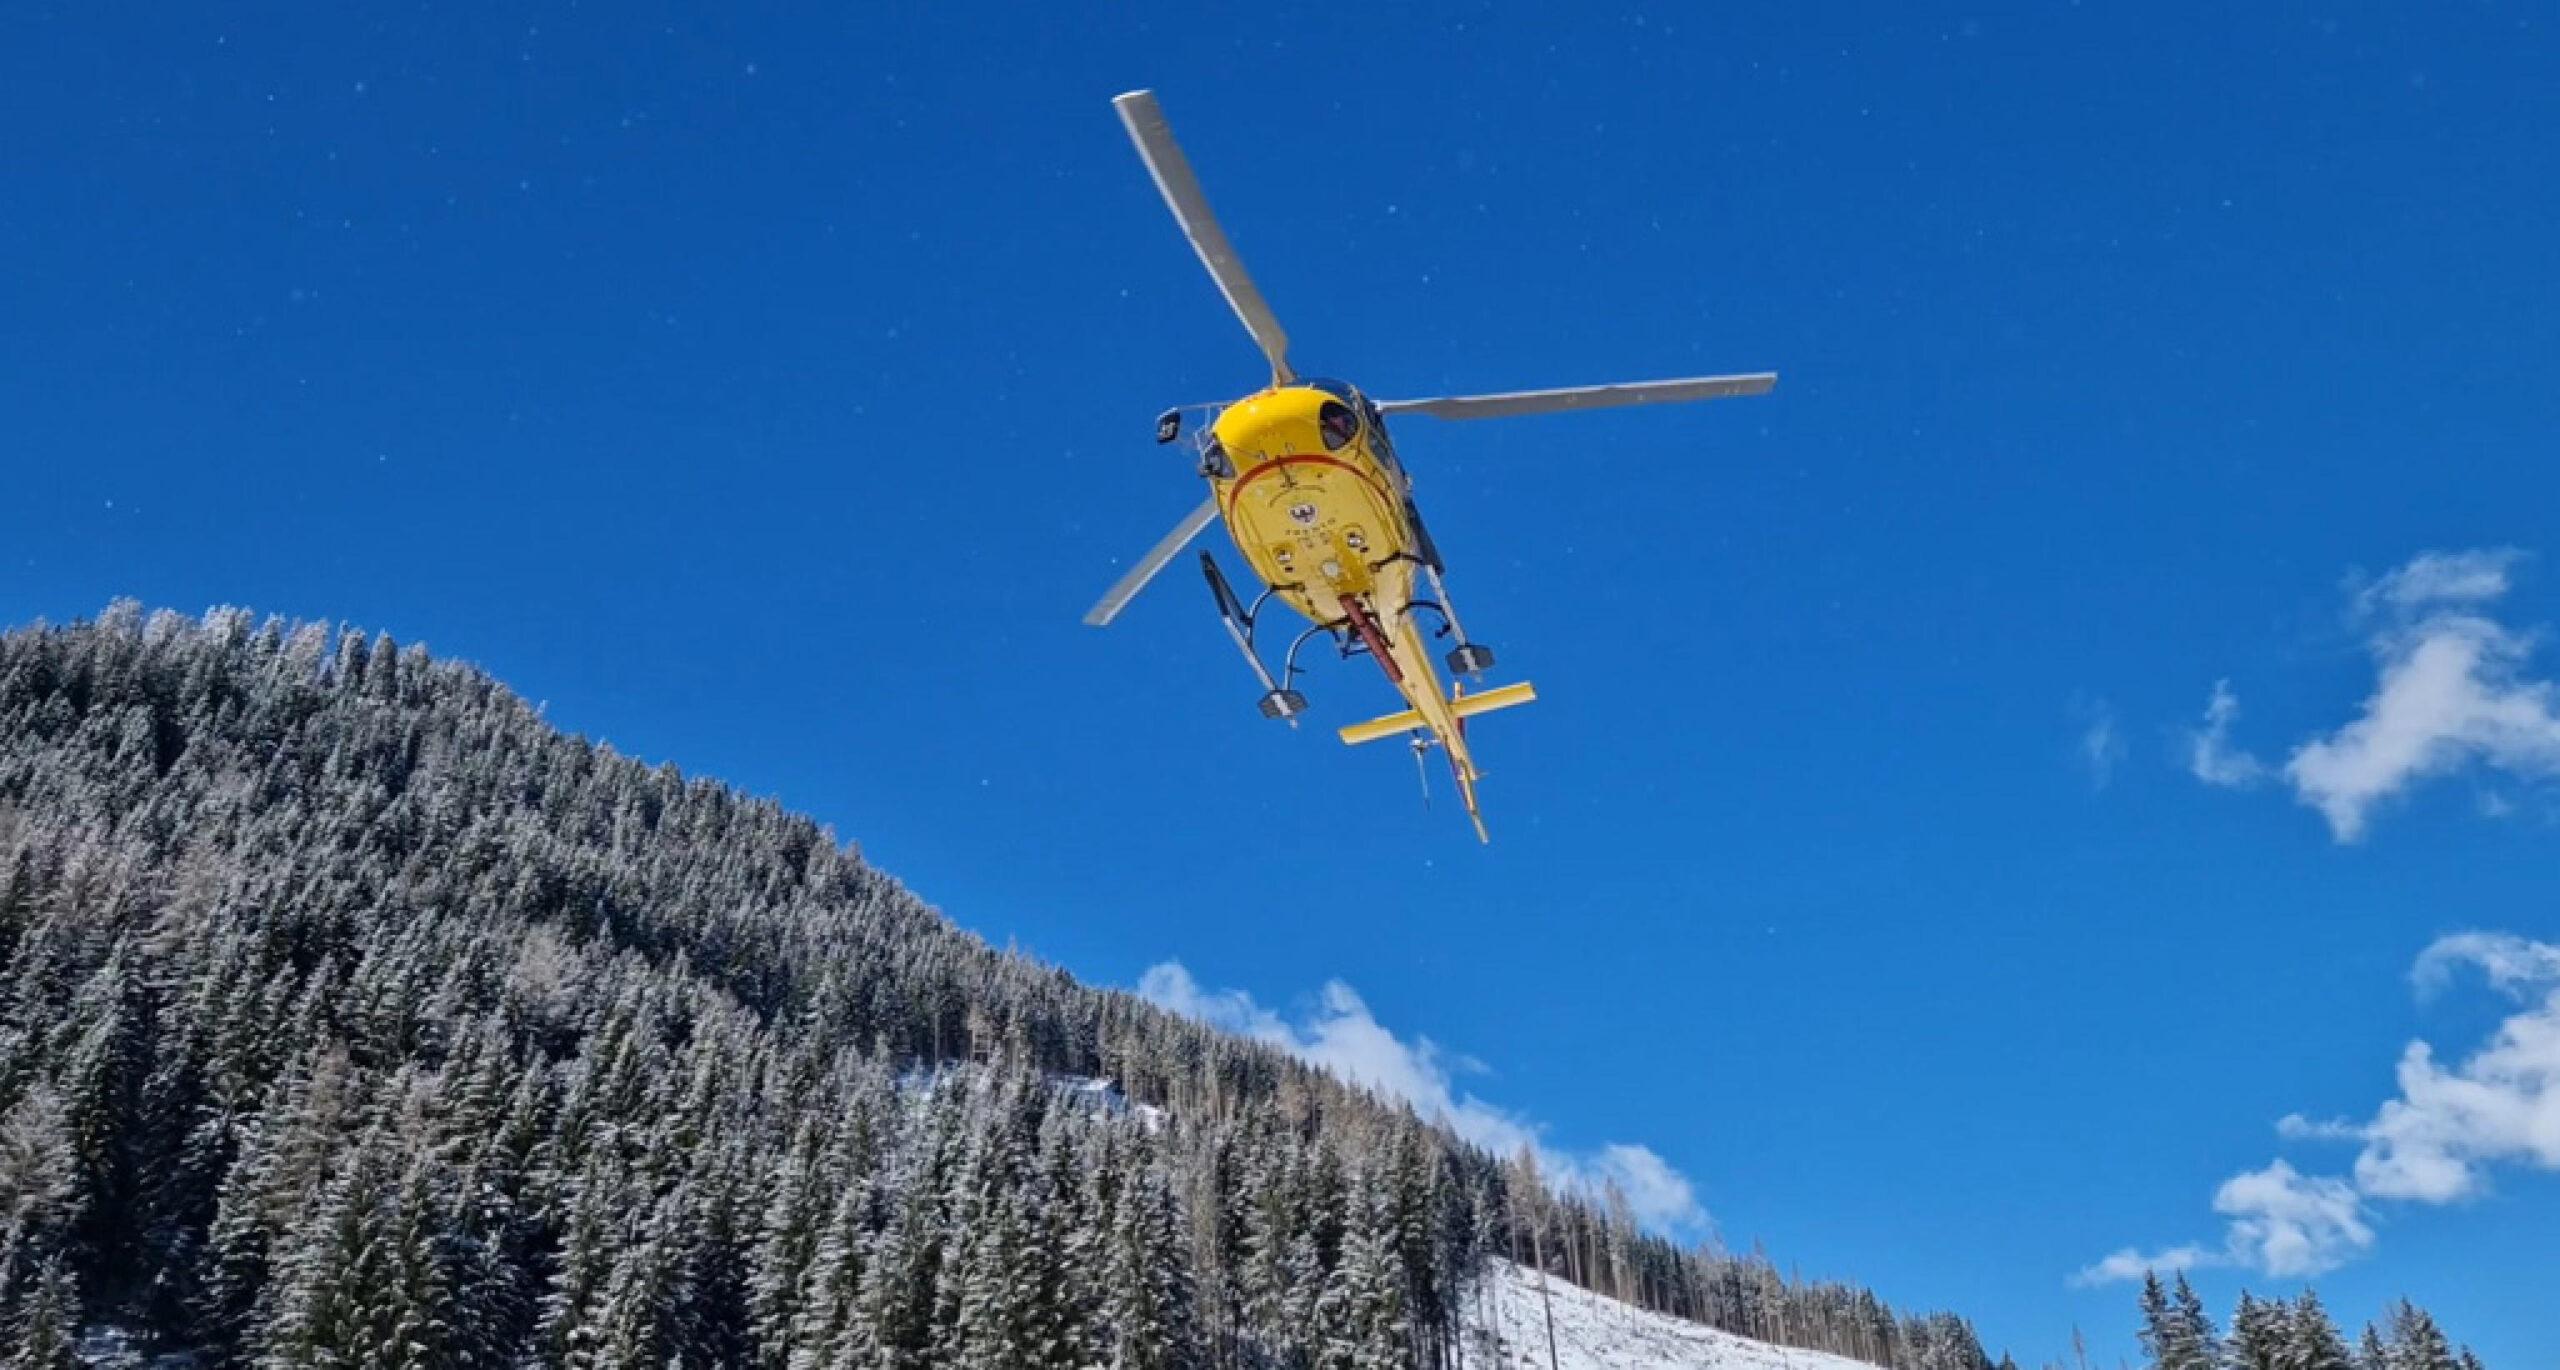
x: 1537, y: 1246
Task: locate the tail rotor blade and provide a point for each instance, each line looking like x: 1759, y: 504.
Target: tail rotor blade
x: 1584, y: 397
x: 1172, y: 171
x: 1127, y: 587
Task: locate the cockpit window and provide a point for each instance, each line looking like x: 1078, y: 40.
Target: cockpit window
x: 1337, y: 389
x: 1338, y: 424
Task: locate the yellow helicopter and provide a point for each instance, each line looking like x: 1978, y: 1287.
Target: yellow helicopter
x: 1308, y: 483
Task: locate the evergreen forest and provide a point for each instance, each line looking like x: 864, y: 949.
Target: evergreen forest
x: 353, y: 1015
x: 2286, y: 1334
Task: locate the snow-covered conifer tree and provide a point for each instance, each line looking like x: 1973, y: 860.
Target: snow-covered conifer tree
x: 2311, y: 1339
x: 2261, y: 1331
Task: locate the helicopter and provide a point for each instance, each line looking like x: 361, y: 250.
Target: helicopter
x: 1316, y: 500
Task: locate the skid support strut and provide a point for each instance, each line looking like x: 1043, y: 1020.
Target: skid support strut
x: 1468, y: 658
x: 1277, y: 702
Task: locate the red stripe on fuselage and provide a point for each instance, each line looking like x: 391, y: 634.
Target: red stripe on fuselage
x: 1302, y: 459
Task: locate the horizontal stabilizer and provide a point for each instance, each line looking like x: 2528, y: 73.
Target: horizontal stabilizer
x: 1464, y: 706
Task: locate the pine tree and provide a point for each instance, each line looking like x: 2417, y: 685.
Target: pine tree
x: 2415, y: 1342
x: 2159, y: 1334
x: 1146, y: 1293
x: 313, y: 1309
x: 2260, y: 1335
x: 901, y: 1277
x: 101, y: 1072
x: 997, y: 1323
x: 628, y: 1325
x: 2371, y: 1354
x: 1305, y: 1316
x: 1363, y: 1322
x: 2311, y: 1339
x: 811, y: 1320
x: 1059, y: 1250
x: 277, y: 1181
x: 2196, y: 1338
x: 409, y: 1318
x: 787, y: 1243
x: 2176, y: 1333
x: 43, y: 1334
x: 572, y: 1328
x: 363, y: 1281
x: 40, y: 1190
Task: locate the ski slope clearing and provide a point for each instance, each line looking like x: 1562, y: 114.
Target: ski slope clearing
x: 1594, y: 1332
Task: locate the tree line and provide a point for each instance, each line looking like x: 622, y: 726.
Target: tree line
x: 350, y: 1014
x: 2286, y: 1334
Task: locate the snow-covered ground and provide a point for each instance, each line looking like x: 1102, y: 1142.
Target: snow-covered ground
x: 105, y: 1346
x: 1106, y: 1097
x: 1596, y: 1333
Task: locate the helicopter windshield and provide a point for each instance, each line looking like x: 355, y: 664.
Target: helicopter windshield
x: 1370, y: 418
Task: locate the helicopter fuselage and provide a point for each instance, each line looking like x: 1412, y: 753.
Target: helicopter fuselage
x: 1314, y: 498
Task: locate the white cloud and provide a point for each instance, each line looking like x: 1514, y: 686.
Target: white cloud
x: 2441, y: 578
x: 2292, y: 1225
x: 2282, y: 1223
x: 2452, y: 691
x: 1340, y: 1035
x: 1651, y: 1185
x: 2512, y: 964
x: 2294, y: 1127
x: 2101, y: 741
x: 2434, y: 1142
x: 1170, y: 986
x: 2131, y: 1263
x: 2210, y: 756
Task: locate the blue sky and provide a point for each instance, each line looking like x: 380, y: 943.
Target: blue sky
x: 768, y: 390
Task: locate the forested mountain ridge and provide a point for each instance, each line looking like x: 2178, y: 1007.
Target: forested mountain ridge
x: 350, y: 1014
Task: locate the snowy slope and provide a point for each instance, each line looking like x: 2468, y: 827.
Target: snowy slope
x: 1596, y: 1333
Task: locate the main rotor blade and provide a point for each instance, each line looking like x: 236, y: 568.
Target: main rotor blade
x: 1172, y: 170
x: 1127, y: 587
x: 1584, y: 397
